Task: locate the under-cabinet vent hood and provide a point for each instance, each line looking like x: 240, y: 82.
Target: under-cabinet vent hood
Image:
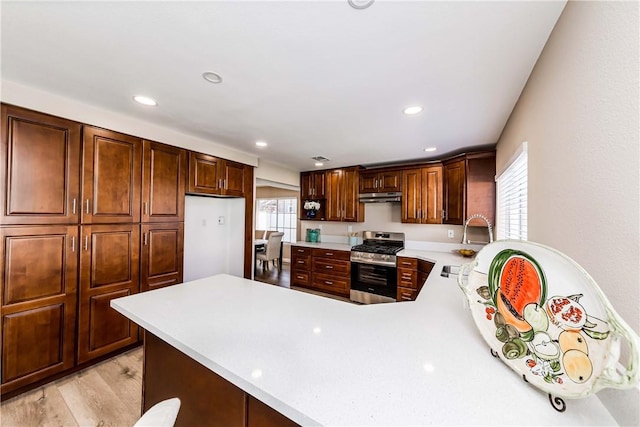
x: 379, y: 197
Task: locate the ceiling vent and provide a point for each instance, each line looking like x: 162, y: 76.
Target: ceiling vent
x: 320, y: 159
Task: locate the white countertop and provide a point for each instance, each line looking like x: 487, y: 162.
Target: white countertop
x: 321, y: 361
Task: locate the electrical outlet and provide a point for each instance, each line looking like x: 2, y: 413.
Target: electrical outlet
x: 450, y: 234
x: 220, y: 220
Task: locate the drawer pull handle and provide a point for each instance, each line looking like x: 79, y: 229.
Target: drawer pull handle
x: 301, y: 250
x: 406, y: 298
x: 328, y: 267
x: 328, y: 253
x: 300, y: 277
x: 328, y: 282
x: 300, y: 262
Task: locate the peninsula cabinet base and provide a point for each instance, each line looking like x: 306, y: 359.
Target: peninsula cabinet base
x: 207, y: 398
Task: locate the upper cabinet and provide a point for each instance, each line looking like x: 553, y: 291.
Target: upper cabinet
x: 469, y: 188
x: 40, y: 176
x: 111, y: 173
x: 312, y: 185
x: 422, y: 195
x: 164, y: 176
x: 380, y: 182
x: 215, y: 176
x: 342, y: 195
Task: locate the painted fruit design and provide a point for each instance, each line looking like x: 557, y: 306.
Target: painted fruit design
x: 515, y: 299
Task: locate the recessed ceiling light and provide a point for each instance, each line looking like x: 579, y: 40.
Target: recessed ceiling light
x: 261, y: 144
x: 212, y: 77
x: 360, y: 4
x: 145, y: 100
x: 319, y: 164
x: 414, y: 109
x: 428, y: 149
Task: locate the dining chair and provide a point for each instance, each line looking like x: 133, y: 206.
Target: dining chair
x: 272, y: 251
x: 162, y: 414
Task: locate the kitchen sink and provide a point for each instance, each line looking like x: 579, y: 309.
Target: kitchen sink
x: 450, y: 270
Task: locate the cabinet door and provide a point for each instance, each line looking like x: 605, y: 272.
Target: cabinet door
x: 353, y: 210
x: 334, y: 196
x: 111, y: 174
x: 369, y: 182
x: 389, y: 181
x: 481, y: 187
x: 411, y: 196
x: 38, y: 283
x: 432, y: 195
x: 306, y: 191
x: 109, y: 268
x: 162, y: 253
x: 41, y: 173
x: 454, y: 192
x: 233, y: 179
x: 163, y: 182
x: 318, y: 184
x: 204, y: 174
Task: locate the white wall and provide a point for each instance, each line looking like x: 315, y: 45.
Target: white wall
x: 46, y: 102
x: 209, y: 247
x: 579, y: 113
x: 277, y: 173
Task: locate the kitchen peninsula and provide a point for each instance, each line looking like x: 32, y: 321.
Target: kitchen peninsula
x: 319, y: 361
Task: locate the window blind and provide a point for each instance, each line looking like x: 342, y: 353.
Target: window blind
x: 512, y: 198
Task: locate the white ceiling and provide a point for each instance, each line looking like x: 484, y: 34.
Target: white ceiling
x: 309, y: 77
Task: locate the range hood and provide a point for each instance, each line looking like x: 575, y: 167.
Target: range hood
x: 380, y: 197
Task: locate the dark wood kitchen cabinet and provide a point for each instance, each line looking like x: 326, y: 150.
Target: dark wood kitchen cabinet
x: 381, y: 181
x: 109, y: 268
x: 40, y: 168
x: 214, y: 176
x: 111, y: 174
x: 38, y: 284
x: 164, y: 177
x: 312, y: 185
x: 324, y: 270
x: 422, y: 195
x: 469, y: 188
x: 342, y: 195
x: 412, y: 273
x: 161, y: 261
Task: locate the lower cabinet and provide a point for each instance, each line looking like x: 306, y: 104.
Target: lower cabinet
x: 321, y: 269
x: 38, y: 298
x: 412, y: 273
x: 207, y: 398
x: 162, y: 252
x: 109, y: 269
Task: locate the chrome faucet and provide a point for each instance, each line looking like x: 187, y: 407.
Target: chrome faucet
x: 466, y: 224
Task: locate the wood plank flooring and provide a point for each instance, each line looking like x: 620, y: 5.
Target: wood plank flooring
x: 106, y: 394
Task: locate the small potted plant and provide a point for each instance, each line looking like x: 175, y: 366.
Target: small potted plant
x: 311, y: 208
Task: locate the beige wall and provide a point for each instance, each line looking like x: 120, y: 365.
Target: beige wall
x: 579, y: 113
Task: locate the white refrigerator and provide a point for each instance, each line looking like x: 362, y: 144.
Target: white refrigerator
x: 213, y: 237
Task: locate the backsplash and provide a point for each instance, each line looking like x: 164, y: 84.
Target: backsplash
x: 386, y: 217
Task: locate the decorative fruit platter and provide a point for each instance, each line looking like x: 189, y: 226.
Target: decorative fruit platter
x: 547, y: 319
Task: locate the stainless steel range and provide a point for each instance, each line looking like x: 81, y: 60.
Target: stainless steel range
x: 373, y: 267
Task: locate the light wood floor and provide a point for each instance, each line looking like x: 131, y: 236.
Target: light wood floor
x: 107, y: 394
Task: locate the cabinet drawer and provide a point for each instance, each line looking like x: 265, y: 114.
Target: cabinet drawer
x: 330, y: 283
x: 328, y: 253
x: 331, y: 266
x: 300, y: 250
x: 406, y: 294
x: 407, y: 278
x: 410, y: 263
x: 300, y: 277
x: 301, y: 262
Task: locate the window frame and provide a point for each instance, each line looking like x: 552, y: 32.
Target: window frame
x: 512, y: 183
x: 294, y: 218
